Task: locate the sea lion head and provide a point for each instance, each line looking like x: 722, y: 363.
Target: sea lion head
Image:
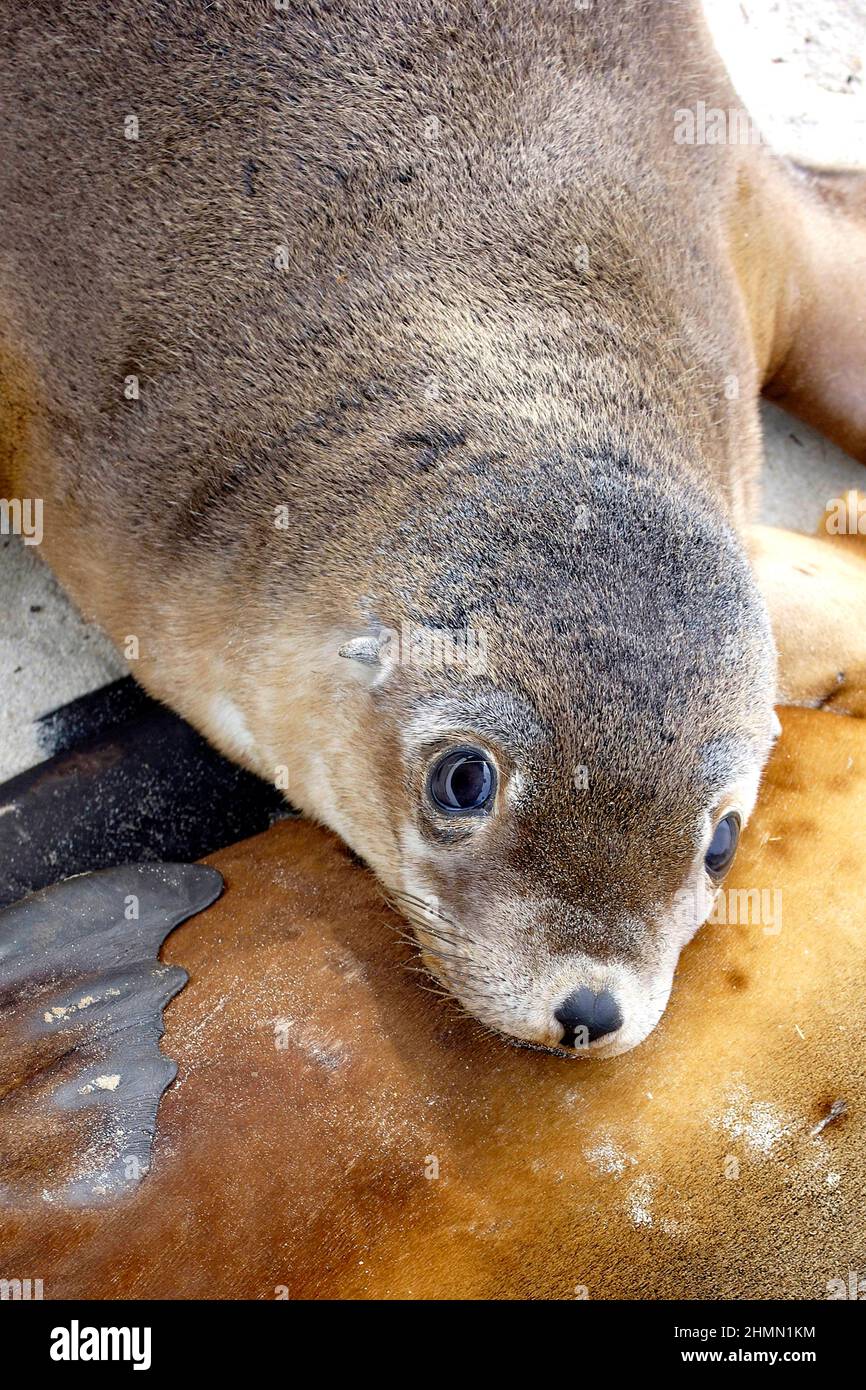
x: 565, y: 719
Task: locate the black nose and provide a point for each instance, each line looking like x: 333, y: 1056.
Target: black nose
x: 598, y: 1014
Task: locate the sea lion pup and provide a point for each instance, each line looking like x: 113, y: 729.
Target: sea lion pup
x: 390, y: 381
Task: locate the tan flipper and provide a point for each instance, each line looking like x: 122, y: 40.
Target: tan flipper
x: 799, y: 246
x: 815, y: 588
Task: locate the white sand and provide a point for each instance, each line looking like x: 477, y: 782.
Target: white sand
x: 800, y: 67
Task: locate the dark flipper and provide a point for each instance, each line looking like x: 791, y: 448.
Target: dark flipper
x: 81, y: 998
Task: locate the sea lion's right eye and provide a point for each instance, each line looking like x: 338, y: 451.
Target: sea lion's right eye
x: 462, y: 781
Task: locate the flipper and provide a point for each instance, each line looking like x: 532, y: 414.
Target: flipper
x: 799, y: 245
x: 814, y: 587
x: 81, y: 998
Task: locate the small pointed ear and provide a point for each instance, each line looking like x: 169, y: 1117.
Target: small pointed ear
x: 364, y: 649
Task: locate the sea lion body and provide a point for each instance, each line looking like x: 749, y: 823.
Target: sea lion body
x: 321, y: 325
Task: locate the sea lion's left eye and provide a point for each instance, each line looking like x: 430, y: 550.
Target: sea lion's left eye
x: 723, y: 845
x: 463, y: 780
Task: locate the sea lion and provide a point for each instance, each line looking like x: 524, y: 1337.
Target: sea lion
x: 391, y: 384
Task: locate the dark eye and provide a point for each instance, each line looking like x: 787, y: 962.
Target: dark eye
x: 723, y: 845
x: 463, y: 780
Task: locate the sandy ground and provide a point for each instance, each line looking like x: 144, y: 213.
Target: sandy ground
x: 800, y: 66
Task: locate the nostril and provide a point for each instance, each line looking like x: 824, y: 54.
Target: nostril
x: 586, y: 1016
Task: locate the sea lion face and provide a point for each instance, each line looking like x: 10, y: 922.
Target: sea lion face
x: 553, y: 898
x: 563, y: 810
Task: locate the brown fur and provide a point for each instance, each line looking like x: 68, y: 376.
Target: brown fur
x: 534, y: 304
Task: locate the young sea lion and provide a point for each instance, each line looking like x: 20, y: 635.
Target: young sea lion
x: 322, y: 324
